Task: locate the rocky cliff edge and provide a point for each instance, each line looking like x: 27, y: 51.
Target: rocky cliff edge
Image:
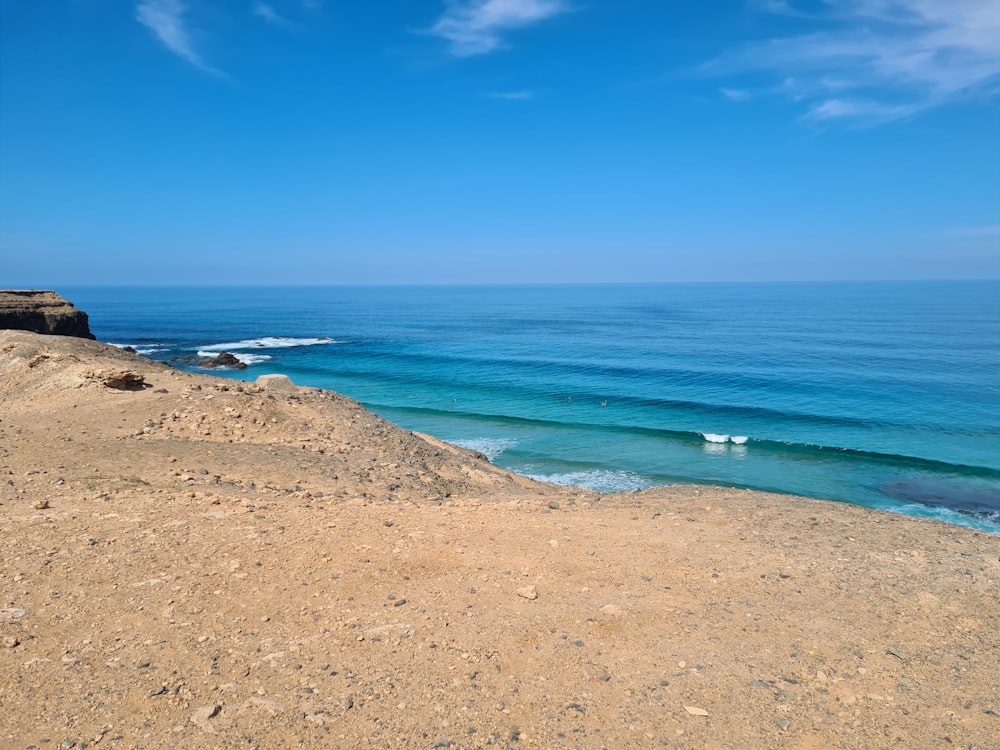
x: 42, y: 312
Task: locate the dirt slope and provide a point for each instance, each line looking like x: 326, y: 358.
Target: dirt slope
x: 190, y: 562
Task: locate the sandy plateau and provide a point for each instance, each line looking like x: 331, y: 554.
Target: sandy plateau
x: 193, y: 562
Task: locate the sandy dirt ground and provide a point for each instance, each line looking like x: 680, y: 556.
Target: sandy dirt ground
x: 192, y: 562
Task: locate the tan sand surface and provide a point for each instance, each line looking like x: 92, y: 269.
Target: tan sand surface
x: 192, y: 562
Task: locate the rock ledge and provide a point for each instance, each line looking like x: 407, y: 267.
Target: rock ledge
x: 42, y: 312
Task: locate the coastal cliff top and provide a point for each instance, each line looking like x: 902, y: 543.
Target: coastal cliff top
x: 42, y: 311
x: 37, y: 299
x: 188, y: 562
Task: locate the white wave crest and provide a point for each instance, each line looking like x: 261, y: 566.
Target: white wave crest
x: 990, y: 523
x: 601, y: 480
x: 489, y: 447
x: 267, y: 342
x: 143, y: 349
x: 247, y: 359
x: 711, y: 437
x: 251, y: 359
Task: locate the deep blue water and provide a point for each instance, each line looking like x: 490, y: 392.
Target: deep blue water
x: 880, y: 394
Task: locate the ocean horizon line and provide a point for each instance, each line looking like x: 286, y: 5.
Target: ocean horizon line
x: 505, y: 284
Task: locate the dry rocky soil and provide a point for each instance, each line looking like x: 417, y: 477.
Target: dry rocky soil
x: 191, y: 562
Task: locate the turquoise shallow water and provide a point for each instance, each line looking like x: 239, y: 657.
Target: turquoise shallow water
x: 880, y: 394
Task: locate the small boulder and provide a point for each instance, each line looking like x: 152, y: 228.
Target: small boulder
x: 276, y: 383
x: 119, y: 379
x: 528, y: 592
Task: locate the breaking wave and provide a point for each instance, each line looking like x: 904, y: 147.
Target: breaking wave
x: 145, y: 350
x: 711, y: 437
x: 244, y: 357
x: 600, y: 480
x: 267, y: 342
x: 489, y: 447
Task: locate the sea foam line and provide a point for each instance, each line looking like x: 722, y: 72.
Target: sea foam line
x: 143, y: 349
x: 244, y: 357
x: 267, y: 342
x: 600, y: 480
x: 489, y: 447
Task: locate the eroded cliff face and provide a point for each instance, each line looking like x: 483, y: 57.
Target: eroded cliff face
x: 42, y: 312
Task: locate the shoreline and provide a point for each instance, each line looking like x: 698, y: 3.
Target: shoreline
x: 189, y: 560
x: 969, y: 512
x: 890, y: 443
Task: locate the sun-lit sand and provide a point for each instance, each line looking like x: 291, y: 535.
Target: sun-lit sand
x: 192, y: 562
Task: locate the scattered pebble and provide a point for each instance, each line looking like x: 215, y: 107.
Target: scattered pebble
x: 528, y: 592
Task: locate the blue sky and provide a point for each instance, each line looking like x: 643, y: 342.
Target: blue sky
x: 452, y: 141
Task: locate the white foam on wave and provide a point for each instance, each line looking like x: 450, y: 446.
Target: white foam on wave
x: 143, y: 349
x: 247, y: 359
x: 489, y: 447
x: 600, y: 480
x: 991, y: 525
x: 251, y: 359
x: 712, y: 437
x: 267, y: 342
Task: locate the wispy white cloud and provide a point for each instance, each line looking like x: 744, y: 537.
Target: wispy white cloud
x: 736, y: 95
x: 780, y: 7
x: 269, y: 14
x: 870, y: 111
x: 165, y: 18
x: 878, y: 60
x: 475, y: 27
x: 511, y: 96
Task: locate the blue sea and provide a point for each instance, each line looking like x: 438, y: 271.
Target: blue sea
x: 885, y: 395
